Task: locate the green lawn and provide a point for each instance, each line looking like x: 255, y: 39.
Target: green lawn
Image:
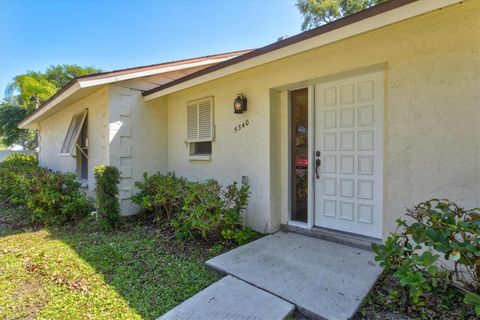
x: 80, y: 272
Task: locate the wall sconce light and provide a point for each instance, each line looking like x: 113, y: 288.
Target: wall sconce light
x: 240, y: 104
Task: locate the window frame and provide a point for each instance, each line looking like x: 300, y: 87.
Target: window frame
x: 196, y: 103
x: 73, y: 131
x: 197, y: 130
x: 193, y: 149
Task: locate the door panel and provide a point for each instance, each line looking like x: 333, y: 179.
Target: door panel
x: 349, y: 136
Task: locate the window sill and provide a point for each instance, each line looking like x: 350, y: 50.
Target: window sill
x: 200, y: 157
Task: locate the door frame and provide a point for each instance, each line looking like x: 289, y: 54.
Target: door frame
x: 311, y: 146
x: 310, y: 150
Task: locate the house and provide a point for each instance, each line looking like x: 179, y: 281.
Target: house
x: 103, y: 119
x: 345, y: 125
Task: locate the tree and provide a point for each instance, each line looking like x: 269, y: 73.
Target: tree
x: 319, y: 12
x: 61, y: 75
x: 10, y: 133
x: 39, y: 86
x: 26, y: 92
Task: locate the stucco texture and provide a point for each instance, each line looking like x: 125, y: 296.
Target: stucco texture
x: 432, y: 115
x: 137, y: 139
x: 54, y: 128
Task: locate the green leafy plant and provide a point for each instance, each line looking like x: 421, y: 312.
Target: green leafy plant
x: 108, y: 208
x: 50, y: 197
x: 195, y: 209
x: 160, y: 195
x: 14, y: 172
x: 440, y: 230
x: 55, y: 198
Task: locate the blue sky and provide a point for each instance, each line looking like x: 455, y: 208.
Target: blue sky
x: 125, y: 33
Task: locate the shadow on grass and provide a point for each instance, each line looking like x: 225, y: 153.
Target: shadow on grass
x: 146, y: 266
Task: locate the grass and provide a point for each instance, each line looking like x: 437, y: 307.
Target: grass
x: 81, y: 272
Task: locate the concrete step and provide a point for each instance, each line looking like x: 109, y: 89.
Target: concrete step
x: 322, y: 279
x: 231, y: 298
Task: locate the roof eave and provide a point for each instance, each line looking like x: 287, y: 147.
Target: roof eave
x: 370, y: 19
x: 85, y: 82
x: 65, y: 92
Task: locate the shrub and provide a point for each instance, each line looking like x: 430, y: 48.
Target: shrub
x: 55, y: 198
x: 195, y: 209
x: 108, y: 208
x: 440, y: 227
x: 51, y: 197
x: 14, y: 170
x: 160, y: 195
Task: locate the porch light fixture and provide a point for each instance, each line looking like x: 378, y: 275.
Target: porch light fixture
x: 240, y: 104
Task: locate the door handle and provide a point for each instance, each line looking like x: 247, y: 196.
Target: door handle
x: 318, y: 162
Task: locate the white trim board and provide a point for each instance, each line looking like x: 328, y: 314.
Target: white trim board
x: 86, y: 83
x: 393, y: 16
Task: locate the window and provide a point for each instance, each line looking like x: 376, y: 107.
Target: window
x: 73, y: 132
x: 201, y: 148
x: 299, y: 154
x: 200, y: 129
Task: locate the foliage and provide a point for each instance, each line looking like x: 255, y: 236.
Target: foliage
x: 440, y: 228
x: 161, y: 195
x: 318, y: 12
x: 15, y: 170
x: 31, y: 86
x: 386, y: 300
x: 61, y: 75
x: 108, y: 208
x: 193, y: 209
x: 83, y: 272
x: 28, y: 91
x: 56, y: 198
x: 42, y: 85
x: 51, y: 197
x: 10, y: 133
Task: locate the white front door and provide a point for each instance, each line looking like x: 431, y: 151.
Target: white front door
x: 349, y: 143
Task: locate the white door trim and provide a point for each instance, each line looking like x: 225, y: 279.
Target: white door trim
x: 311, y: 156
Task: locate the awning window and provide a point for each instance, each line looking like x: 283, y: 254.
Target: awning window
x: 68, y: 146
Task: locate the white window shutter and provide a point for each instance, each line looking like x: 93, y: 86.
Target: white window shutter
x: 192, y: 122
x: 205, y: 120
x: 200, y: 120
x: 73, y: 132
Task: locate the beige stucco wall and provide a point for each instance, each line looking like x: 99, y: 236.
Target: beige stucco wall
x: 54, y: 128
x: 138, y: 139
x: 432, y: 115
x: 123, y: 131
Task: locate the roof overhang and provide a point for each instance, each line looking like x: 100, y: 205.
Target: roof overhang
x: 83, y: 86
x: 367, y: 20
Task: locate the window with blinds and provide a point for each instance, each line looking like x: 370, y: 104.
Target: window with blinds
x: 73, y: 132
x: 200, y: 128
x: 200, y: 120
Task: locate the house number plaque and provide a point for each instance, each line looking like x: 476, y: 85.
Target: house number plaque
x: 241, y: 126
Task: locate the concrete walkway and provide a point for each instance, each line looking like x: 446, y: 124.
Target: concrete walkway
x: 230, y: 298
x: 321, y: 278
x: 271, y: 276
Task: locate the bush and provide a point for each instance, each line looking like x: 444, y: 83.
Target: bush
x: 108, y: 208
x: 55, y: 198
x: 51, y: 197
x: 440, y: 227
x: 14, y: 170
x: 160, y: 195
x: 195, y: 209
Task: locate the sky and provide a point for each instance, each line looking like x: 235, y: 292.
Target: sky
x: 110, y: 34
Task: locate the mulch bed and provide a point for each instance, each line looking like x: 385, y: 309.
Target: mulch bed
x: 386, y: 301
